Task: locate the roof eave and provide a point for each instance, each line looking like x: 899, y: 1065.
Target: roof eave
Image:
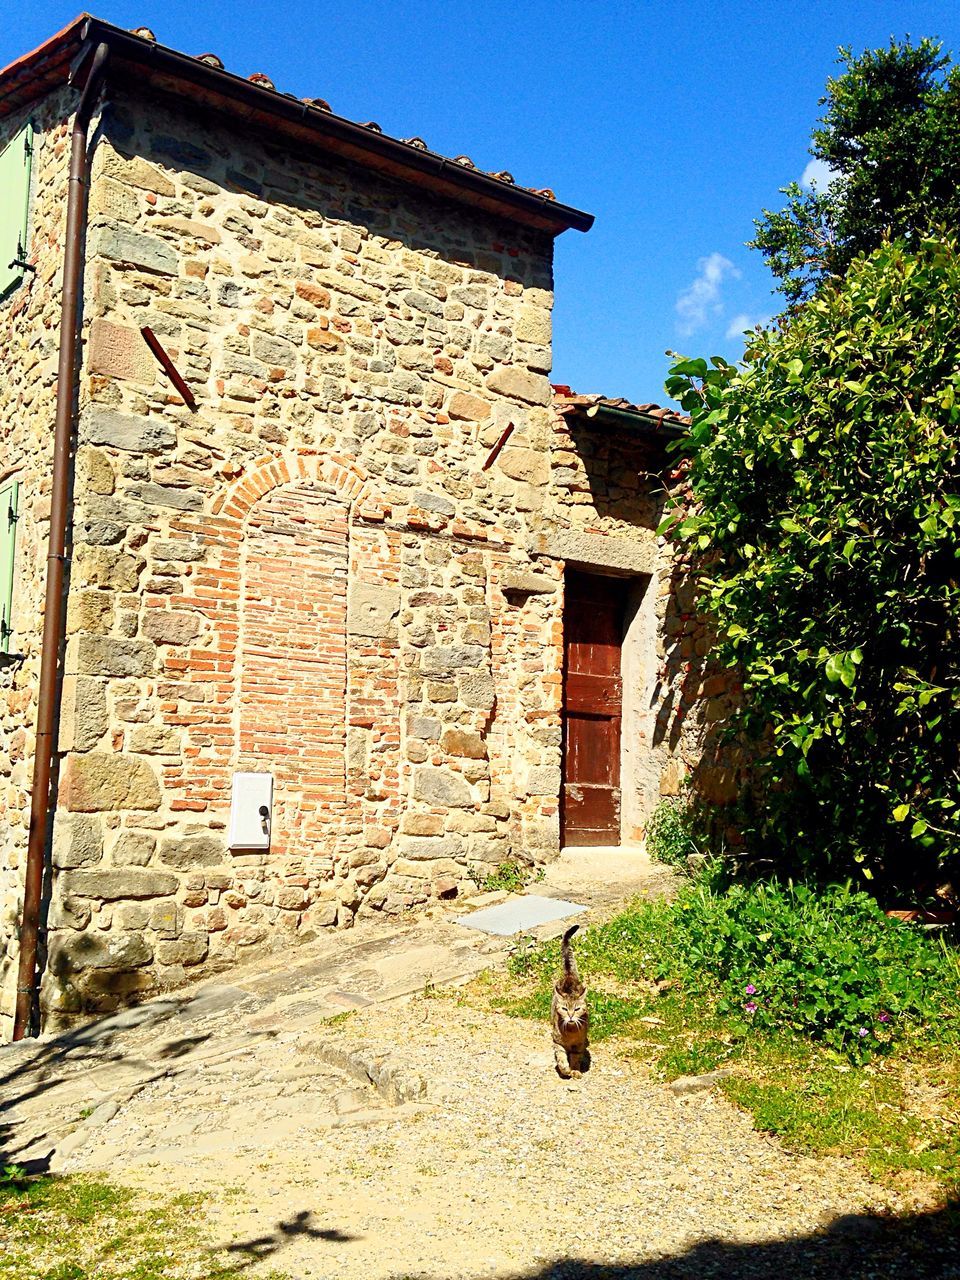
x: 645, y: 421
x: 595, y: 411
x: 170, y: 71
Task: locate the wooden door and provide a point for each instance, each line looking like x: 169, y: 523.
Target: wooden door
x: 592, y: 702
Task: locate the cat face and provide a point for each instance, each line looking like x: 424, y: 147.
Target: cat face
x: 571, y: 1009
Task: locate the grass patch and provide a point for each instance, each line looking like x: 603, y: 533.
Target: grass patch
x: 82, y: 1228
x: 670, y: 981
x: 895, y: 1117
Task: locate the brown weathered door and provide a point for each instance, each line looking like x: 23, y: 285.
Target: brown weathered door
x: 592, y: 702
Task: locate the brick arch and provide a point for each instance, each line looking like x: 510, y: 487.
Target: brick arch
x: 344, y: 475
x: 209, y: 673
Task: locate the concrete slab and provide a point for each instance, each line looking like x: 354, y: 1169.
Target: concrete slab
x: 519, y: 913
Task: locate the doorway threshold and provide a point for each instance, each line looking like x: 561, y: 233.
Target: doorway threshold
x: 632, y: 848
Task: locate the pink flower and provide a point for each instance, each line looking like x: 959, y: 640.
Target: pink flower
x: 884, y: 1017
x: 751, y: 1006
x: 751, y: 989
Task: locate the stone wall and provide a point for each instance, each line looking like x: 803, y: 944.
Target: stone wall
x: 29, y: 319
x: 305, y: 576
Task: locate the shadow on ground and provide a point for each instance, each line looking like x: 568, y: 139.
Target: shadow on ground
x: 32, y: 1068
x: 916, y: 1247
x: 301, y: 1224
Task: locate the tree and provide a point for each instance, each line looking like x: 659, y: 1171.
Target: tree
x: 891, y: 137
x: 825, y: 482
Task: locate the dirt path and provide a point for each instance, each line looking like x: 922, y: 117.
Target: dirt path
x: 504, y: 1170
x: 416, y: 1136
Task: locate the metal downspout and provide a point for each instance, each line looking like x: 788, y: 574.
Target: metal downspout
x: 54, y: 612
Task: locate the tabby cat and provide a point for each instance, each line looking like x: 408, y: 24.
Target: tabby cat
x: 569, y: 1016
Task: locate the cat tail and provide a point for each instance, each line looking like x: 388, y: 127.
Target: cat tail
x: 569, y: 959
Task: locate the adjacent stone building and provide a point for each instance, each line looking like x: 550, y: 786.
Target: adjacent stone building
x: 317, y: 659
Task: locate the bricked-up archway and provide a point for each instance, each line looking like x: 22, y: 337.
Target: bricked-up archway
x: 292, y: 682
x: 278, y: 535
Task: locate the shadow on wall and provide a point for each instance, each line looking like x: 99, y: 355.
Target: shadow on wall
x: 916, y: 1247
x: 624, y: 470
x: 328, y: 188
x: 96, y: 972
x: 693, y: 698
x: 629, y: 474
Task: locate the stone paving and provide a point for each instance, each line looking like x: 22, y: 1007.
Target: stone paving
x: 239, y: 1039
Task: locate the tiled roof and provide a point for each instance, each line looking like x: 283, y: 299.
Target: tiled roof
x: 47, y: 67
x: 35, y: 74
x: 567, y: 401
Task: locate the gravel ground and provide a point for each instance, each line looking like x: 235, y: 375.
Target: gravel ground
x: 506, y: 1171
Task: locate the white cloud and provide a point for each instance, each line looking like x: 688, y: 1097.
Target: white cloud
x: 740, y: 323
x: 818, y: 174
x: 701, y: 300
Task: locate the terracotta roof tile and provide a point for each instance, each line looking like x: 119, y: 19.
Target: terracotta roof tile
x: 568, y: 401
x: 264, y: 81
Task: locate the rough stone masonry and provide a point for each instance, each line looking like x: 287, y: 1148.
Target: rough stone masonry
x: 313, y: 575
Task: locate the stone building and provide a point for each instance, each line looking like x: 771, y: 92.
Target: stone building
x: 357, y: 604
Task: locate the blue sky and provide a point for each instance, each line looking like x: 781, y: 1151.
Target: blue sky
x: 674, y: 123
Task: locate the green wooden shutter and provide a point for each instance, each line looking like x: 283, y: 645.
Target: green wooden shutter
x: 15, y: 162
x: 8, y: 537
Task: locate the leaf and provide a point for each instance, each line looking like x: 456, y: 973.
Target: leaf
x: 901, y: 812
x: 690, y: 368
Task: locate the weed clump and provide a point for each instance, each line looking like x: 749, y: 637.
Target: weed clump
x: 671, y: 835
x: 511, y: 877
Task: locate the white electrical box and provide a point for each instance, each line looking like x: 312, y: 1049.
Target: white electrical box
x: 251, y: 811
